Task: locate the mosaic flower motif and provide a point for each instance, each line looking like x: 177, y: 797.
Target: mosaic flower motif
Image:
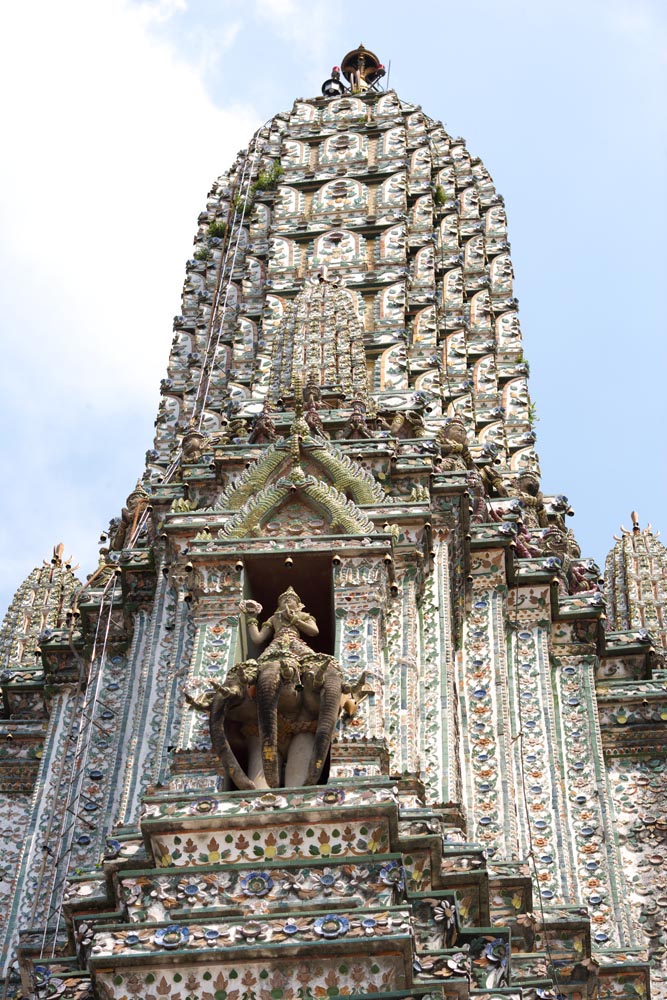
x: 459, y: 964
x: 392, y: 874
x: 162, y: 889
x: 256, y: 883
x: 332, y: 796
x: 56, y: 988
x: 328, y: 882
x: 113, y: 848
x: 42, y: 975
x: 191, y: 890
x: 270, y: 801
x: 173, y: 936
x: 253, y: 930
x: 204, y: 806
x: 331, y: 925
x: 496, y: 951
x: 290, y: 926
x: 444, y: 913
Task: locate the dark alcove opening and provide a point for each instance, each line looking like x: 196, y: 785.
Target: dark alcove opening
x: 267, y: 576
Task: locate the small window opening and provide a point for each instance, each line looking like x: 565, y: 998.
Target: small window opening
x: 267, y: 576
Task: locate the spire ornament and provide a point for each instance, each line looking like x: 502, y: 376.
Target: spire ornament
x: 321, y: 339
x: 362, y: 69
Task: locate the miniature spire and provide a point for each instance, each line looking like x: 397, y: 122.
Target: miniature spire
x: 322, y: 339
x: 39, y: 604
x: 635, y: 581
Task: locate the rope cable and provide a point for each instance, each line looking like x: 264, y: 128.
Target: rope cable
x: 236, y: 226
x: 211, y: 354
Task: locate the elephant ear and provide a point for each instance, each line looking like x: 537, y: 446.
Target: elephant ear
x: 360, y: 689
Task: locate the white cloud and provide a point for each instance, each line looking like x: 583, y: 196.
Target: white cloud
x: 308, y: 23
x: 162, y: 10
x: 111, y: 143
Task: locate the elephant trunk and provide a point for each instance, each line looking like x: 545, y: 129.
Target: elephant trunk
x: 330, y: 696
x: 268, y: 692
x: 217, y: 719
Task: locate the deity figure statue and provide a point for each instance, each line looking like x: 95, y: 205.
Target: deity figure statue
x: 278, y: 712
x: 453, y: 441
x: 285, y: 625
x: 356, y: 426
x: 264, y: 427
x: 527, y: 489
x: 121, y: 529
x: 192, y: 445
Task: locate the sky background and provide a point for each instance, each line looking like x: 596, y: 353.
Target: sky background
x: 116, y: 117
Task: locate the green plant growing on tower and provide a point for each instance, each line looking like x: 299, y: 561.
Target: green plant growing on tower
x: 532, y: 414
x: 267, y: 179
x: 216, y: 229
x: 203, y: 254
x: 439, y: 196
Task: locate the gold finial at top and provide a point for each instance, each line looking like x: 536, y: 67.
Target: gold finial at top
x: 361, y: 68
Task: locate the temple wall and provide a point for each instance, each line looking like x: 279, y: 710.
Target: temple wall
x: 639, y: 792
x: 346, y: 410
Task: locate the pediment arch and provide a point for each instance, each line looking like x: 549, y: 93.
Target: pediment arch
x: 319, y: 460
x: 337, y: 514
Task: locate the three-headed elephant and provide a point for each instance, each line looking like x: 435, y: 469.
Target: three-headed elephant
x: 272, y: 722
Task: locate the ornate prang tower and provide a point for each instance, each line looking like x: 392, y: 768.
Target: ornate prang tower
x: 324, y: 721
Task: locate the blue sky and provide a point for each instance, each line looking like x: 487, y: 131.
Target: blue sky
x: 118, y: 115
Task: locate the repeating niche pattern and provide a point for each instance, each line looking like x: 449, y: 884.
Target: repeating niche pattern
x: 321, y: 342
x: 351, y: 282
x: 419, y: 233
x: 639, y: 789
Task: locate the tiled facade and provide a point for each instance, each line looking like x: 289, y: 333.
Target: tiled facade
x: 346, y: 411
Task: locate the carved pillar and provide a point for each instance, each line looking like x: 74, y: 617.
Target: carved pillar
x: 360, y: 596
x: 213, y: 592
x: 490, y: 793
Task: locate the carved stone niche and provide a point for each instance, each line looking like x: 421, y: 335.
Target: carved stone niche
x: 267, y: 576
x: 273, y: 715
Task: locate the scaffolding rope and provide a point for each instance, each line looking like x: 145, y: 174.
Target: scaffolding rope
x: 225, y: 271
x: 259, y: 145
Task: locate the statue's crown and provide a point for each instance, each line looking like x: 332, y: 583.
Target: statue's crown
x: 290, y: 592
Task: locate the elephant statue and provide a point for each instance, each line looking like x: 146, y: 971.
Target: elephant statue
x: 278, y: 712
